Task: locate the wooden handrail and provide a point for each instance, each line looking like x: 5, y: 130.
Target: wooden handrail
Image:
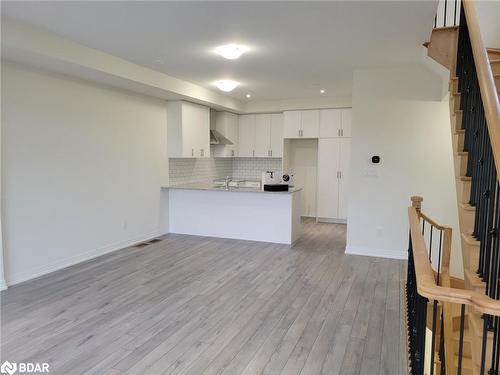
x: 426, y: 281
x: 486, y: 81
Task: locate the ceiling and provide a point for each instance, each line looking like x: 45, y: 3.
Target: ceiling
x: 297, y: 48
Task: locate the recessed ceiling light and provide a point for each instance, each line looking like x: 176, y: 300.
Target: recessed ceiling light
x: 231, y: 51
x: 226, y: 85
x: 249, y: 96
x: 322, y: 91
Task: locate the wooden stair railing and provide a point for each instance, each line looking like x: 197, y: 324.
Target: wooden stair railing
x: 445, y: 335
x: 475, y: 124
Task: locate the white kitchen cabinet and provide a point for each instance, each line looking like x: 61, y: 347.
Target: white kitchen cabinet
x: 333, y: 178
x: 330, y: 123
x: 310, y: 124
x: 344, y: 176
x: 276, y: 135
x: 346, y: 122
x: 226, y: 123
x: 292, y: 126
x: 328, y: 183
x: 263, y: 135
x: 188, y: 130
x: 301, y: 124
x: 335, y: 123
x: 246, y: 136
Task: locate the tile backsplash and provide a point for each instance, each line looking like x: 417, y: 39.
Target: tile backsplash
x: 252, y: 168
x: 193, y: 170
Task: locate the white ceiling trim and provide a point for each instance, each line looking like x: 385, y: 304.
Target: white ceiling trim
x: 33, y: 47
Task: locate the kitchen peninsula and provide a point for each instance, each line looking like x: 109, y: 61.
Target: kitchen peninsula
x: 244, y: 213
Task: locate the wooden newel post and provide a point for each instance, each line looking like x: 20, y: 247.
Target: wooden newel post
x: 416, y: 201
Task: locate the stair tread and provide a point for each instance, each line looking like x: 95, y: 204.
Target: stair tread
x: 460, y: 131
x: 456, y: 335
x: 462, y: 153
x: 469, y: 238
x: 464, y: 178
x: 474, y: 278
x: 477, y: 325
x: 467, y: 207
x: 466, y: 362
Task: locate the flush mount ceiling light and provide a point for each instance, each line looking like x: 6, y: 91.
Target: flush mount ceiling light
x: 249, y: 96
x: 322, y: 91
x: 231, y: 51
x: 226, y: 85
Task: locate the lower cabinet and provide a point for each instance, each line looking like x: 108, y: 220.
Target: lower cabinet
x: 333, y: 178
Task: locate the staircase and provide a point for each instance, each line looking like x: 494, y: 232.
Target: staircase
x: 466, y: 339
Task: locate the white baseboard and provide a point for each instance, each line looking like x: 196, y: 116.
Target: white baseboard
x: 3, y: 284
x: 373, y: 252
x: 71, y: 261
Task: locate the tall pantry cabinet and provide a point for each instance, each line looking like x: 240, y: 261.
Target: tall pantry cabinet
x: 334, y: 149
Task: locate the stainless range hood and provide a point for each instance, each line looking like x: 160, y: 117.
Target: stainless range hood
x: 216, y: 138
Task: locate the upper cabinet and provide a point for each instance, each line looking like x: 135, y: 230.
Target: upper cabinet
x: 226, y: 123
x: 346, y: 122
x: 301, y: 124
x: 292, y: 125
x: 276, y: 144
x: 246, y: 136
x: 261, y: 135
x: 335, y: 123
x: 188, y: 130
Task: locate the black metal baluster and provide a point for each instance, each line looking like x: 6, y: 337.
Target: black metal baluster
x: 455, y: 15
x: 442, y: 353
x: 430, y: 245
x: 439, y: 255
x: 483, y: 343
x: 461, y: 340
x: 433, y: 335
x: 444, y: 18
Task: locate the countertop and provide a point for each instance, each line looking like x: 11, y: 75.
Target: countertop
x: 211, y: 187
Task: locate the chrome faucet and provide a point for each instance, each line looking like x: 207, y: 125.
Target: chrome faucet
x: 226, y: 182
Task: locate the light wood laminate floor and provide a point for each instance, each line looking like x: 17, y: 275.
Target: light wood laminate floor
x: 198, y: 305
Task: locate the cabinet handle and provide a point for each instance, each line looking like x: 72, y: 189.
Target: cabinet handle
x: 253, y: 152
x: 192, y: 152
x: 201, y: 152
x: 340, y: 174
x: 232, y: 152
x: 338, y: 132
x: 271, y: 152
x: 342, y: 132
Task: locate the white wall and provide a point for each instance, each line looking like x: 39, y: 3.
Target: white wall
x: 398, y: 115
x: 82, y: 167
x: 489, y: 22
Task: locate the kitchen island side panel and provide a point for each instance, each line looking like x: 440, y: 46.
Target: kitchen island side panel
x: 237, y: 215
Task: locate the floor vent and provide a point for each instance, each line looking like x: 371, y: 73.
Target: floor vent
x: 144, y: 244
